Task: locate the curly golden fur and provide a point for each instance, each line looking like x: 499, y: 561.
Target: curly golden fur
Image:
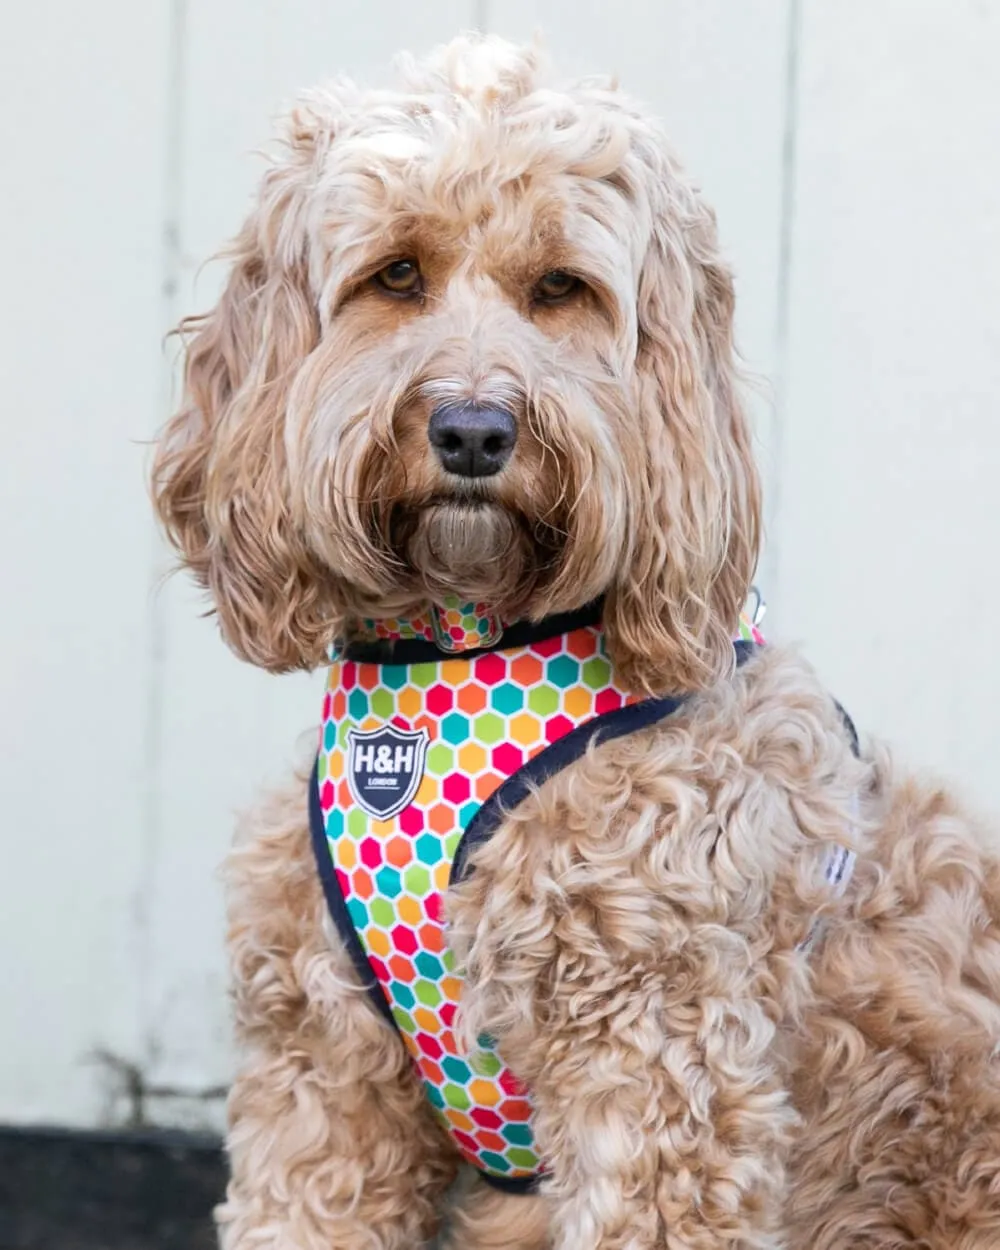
x: 633, y: 934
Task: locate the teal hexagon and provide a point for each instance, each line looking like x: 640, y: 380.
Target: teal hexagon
x: 429, y: 849
x: 334, y: 823
x: 357, y: 704
x: 428, y: 965
x: 388, y: 881
x: 517, y: 1134
x: 403, y: 995
x: 417, y: 879
x: 597, y: 673
x: 563, y: 671
x: 507, y: 698
x: 395, y: 676
x: 489, y: 728
x: 455, y: 728
x: 455, y: 1069
x: 440, y: 759
x: 358, y: 913
x: 466, y: 812
x: 329, y: 735
x: 543, y: 700
x: 493, y: 1161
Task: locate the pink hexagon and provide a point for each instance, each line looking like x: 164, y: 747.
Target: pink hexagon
x: 327, y: 700
x: 440, y: 700
x: 491, y: 668
x: 556, y: 727
x: 511, y: 1085
x: 411, y: 820
x: 507, y: 758
x: 467, y: 1143
x: 371, y: 853
x: 429, y: 1045
x: 486, y: 1118
x: 447, y: 1013
x: 456, y: 788
x: 344, y: 881
x: 326, y: 794
x: 348, y: 675
x: 549, y: 646
x: 432, y: 906
x: 379, y: 968
x: 404, y: 939
x: 607, y: 701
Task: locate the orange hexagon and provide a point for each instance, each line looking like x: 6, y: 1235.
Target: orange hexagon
x: 409, y: 910
x: 362, y: 884
x: 428, y: 792
x: 577, y: 702
x: 486, y: 784
x: 344, y: 795
x: 338, y: 705
x: 401, y: 968
x: 447, y: 1040
x: 382, y: 828
x: 458, y: 1119
x: 526, y: 670
x: 451, y: 988
x: 441, y: 818
x: 431, y: 937
x: 398, y: 852
x: 492, y: 1141
x: 379, y: 942
x: 368, y: 676
x: 409, y: 702
x: 427, y: 1020
x: 472, y: 698
x: 431, y: 1070
x: 485, y: 1093
x: 516, y: 1109
x: 454, y: 672
x: 525, y: 729
x: 581, y: 643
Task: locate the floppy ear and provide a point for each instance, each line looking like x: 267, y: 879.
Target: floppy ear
x: 220, y: 475
x: 696, y: 504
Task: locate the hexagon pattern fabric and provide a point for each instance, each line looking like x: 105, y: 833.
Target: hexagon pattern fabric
x: 484, y: 715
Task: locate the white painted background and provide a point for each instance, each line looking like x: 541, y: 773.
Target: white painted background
x: 851, y: 147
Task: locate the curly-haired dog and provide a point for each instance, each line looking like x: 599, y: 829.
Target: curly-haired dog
x: 476, y: 347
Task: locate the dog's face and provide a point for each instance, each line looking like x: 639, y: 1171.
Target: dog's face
x: 476, y: 341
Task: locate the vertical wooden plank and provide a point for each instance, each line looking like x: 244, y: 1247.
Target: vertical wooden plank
x: 890, y: 525
x: 83, y: 138
x: 228, y: 730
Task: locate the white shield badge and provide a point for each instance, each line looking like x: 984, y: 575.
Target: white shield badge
x: 385, y: 767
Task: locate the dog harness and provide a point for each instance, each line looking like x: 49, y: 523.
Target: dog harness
x: 432, y: 729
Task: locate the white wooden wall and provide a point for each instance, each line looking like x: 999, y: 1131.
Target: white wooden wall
x: 851, y: 150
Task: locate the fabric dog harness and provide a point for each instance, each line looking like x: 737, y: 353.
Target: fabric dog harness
x: 431, y: 730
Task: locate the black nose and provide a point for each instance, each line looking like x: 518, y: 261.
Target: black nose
x: 471, y: 439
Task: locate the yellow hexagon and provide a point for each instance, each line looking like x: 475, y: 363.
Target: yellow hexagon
x: 409, y: 702
x: 347, y: 853
x: 428, y: 792
x: 578, y: 702
x: 408, y: 909
x: 441, y: 875
x: 454, y: 672
x: 335, y: 766
x: 525, y: 729
x: 458, y: 1119
x: 471, y: 759
x: 451, y: 988
x: 382, y: 828
x: 484, y: 1093
x: 378, y: 941
x: 427, y: 1020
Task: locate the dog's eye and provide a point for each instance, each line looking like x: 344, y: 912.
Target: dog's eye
x: 402, y: 277
x: 556, y: 285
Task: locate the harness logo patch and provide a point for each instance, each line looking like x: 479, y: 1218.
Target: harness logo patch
x: 385, y: 767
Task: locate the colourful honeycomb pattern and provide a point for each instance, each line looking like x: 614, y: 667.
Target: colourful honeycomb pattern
x: 454, y: 626
x: 485, y: 715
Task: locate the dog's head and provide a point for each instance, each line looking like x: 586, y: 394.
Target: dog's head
x: 476, y: 341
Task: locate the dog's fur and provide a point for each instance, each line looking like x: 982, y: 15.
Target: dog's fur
x: 631, y: 934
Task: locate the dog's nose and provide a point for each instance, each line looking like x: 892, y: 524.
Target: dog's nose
x: 472, y: 440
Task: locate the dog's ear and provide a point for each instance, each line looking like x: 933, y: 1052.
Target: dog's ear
x: 220, y: 474
x: 695, y: 506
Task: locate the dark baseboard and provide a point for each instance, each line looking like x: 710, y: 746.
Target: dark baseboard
x: 63, y: 1189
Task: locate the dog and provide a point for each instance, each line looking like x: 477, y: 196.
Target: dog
x: 470, y: 393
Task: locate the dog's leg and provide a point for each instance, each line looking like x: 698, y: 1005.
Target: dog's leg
x: 486, y: 1219
x: 332, y: 1142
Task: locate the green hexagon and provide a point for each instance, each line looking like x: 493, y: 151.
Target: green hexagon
x: 388, y: 881
x: 451, y: 844
x: 440, y: 760
x: 357, y: 823
x: 489, y: 728
x: 543, y: 700
x: 563, y: 671
x: 597, y: 673
x: 522, y: 1158
x: 357, y: 704
x: 382, y: 913
x: 429, y: 849
x: 455, y: 728
x: 423, y: 675
x: 448, y: 959
x: 404, y: 1020
x: 383, y: 704
x: 517, y: 1134
x: 427, y: 992
x: 417, y: 879
x: 343, y: 729
x: 485, y: 1063
x: 321, y: 766
x: 395, y: 676
x: 507, y: 698
x: 456, y: 1097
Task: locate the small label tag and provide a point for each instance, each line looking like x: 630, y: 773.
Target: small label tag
x: 385, y: 767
